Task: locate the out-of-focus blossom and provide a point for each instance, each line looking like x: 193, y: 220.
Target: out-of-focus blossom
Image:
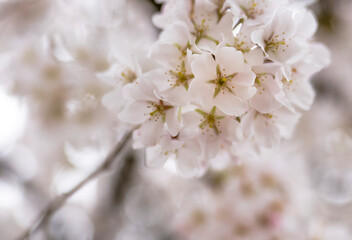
x: 249, y: 201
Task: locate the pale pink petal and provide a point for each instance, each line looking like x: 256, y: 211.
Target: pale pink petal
x: 204, y: 67
x: 140, y: 90
x: 167, y: 55
x: 223, y: 30
x: 113, y: 100
x: 230, y: 104
x: 264, y: 102
x: 211, y: 147
x: 188, y: 160
x: 159, y: 79
x: 135, y: 113
x: 201, y: 93
x: 255, y: 56
x: 229, y: 59
x: 258, y: 38
x: 191, y: 121
x: 244, y: 78
x: 266, y: 134
x: 176, y: 95
x: 306, y: 24
x: 155, y: 156
x: 286, y: 121
x: 244, y: 92
x: 172, y: 121
x: 178, y: 32
x: 301, y: 94
x: 150, y: 131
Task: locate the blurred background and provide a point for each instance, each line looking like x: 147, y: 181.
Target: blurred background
x: 58, y: 122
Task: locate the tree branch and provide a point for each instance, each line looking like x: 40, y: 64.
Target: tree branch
x: 59, y: 201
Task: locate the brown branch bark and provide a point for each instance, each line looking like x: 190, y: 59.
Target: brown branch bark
x: 59, y: 201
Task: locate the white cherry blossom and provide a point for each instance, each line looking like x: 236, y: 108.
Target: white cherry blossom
x: 269, y: 88
x: 256, y: 12
x: 285, y: 38
x: 184, y: 151
x: 253, y: 54
x: 267, y: 129
x: 222, y: 80
x: 298, y: 90
x: 148, y: 109
x: 211, y: 127
x: 208, y: 21
x: 173, y: 54
x: 118, y: 76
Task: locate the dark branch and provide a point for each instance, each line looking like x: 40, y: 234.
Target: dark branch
x: 59, y: 201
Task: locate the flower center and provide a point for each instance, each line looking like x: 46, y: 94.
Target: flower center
x: 181, y: 76
x: 210, y: 121
x: 273, y: 43
x: 221, y: 82
x: 158, y: 110
x: 253, y: 10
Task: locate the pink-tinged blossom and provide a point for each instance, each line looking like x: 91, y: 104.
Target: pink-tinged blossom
x: 298, y: 90
x: 150, y: 111
x: 253, y: 54
x: 183, y: 150
x: 267, y: 129
x: 209, y: 22
x: 256, y: 12
x: 285, y: 38
x: 250, y: 201
x: 211, y: 127
x: 268, y: 84
x: 173, y: 53
x: 118, y: 76
x: 222, y: 80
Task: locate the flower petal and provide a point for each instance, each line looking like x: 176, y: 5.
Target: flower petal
x: 230, y: 60
x: 230, y: 104
x: 135, y: 113
x: 172, y: 122
x: 204, y: 67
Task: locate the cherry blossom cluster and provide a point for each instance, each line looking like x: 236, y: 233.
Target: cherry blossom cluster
x: 230, y: 75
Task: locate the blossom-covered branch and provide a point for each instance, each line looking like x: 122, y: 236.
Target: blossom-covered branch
x: 231, y: 76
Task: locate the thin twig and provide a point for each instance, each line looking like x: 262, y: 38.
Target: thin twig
x: 59, y: 201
